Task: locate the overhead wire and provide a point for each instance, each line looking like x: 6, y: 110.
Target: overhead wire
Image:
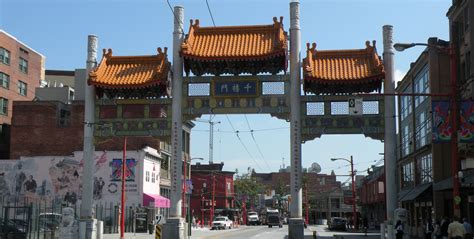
x: 210, y: 13
x: 256, y: 144
x: 174, y: 15
x: 241, y: 142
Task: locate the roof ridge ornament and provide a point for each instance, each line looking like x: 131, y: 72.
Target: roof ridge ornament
x: 161, y: 52
x: 107, y: 53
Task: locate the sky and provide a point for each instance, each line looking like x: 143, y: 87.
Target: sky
x: 58, y: 29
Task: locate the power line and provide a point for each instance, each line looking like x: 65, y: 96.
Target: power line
x: 256, y: 144
x: 210, y: 13
x: 240, y: 140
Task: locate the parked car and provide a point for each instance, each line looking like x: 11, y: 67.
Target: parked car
x: 49, y: 221
x: 221, y: 223
x: 337, y: 223
x: 252, y: 218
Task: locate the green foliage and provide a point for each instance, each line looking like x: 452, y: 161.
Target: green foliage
x: 247, y: 187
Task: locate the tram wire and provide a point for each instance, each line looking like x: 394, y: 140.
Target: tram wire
x: 171, y: 8
x: 256, y: 144
x: 210, y: 13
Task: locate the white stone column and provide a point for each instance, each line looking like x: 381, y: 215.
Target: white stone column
x: 295, y: 228
x: 390, y: 143
x: 87, y: 223
x: 174, y: 227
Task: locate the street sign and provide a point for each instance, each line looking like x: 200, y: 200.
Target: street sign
x: 355, y: 106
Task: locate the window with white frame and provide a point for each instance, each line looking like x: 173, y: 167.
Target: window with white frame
x: 408, y: 177
x: 3, y: 106
x: 406, y: 140
x: 426, y: 168
x: 423, y: 129
x: 147, y: 176
x: 23, y: 65
x: 4, y: 80
x: 405, y: 103
x: 22, y: 88
x: 422, y: 86
x: 4, y: 56
x: 153, y: 177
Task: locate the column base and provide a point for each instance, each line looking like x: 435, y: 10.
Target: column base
x: 87, y: 228
x: 174, y: 228
x: 296, y: 228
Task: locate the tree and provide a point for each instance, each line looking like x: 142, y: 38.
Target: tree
x: 247, y: 187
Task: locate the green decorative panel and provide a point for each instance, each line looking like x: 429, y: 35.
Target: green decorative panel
x: 331, y: 115
x: 138, y: 117
x: 236, y: 95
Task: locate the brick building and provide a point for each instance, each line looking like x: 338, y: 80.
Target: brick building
x: 21, y: 71
x: 210, y: 181
x: 372, y: 196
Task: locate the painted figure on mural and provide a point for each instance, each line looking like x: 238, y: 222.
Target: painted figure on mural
x: 64, y: 181
x: 19, y: 179
x: 30, y: 184
x: 3, y: 185
x: 98, y: 187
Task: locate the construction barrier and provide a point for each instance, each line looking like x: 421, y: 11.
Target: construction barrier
x: 158, y: 231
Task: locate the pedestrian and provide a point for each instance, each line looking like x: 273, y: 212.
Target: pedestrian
x: 467, y: 228
x: 437, y: 229
x: 456, y: 229
x: 194, y: 222
x: 428, y: 228
x: 399, y: 229
x: 444, y: 228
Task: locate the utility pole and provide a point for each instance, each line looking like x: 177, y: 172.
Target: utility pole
x: 211, y: 137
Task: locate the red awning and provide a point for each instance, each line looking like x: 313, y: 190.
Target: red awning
x: 153, y: 200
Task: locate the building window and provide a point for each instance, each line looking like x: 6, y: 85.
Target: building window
x: 22, y: 88
x: 408, y: 177
x: 426, y: 168
x: 3, y: 106
x: 23, y: 51
x: 406, y: 140
x: 147, y: 176
x: 153, y: 177
x: 4, y: 80
x: 64, y: 116
x: 23, y: 65
x: 423, y: 129
x: 422, y: 86
x: 4, y: 56
x: 405, y: 106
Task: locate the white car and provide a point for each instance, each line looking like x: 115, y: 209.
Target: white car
x: 221, y: 223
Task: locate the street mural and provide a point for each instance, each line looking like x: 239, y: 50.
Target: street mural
x: 59, y: 178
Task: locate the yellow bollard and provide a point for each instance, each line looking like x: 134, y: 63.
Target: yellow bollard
x: 158, y: 232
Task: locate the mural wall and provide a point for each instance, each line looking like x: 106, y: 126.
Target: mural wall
x: 59, y: 178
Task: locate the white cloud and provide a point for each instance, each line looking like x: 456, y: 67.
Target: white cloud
x: 399, y: 75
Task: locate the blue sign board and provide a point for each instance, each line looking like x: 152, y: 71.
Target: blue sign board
x: 235, y: 88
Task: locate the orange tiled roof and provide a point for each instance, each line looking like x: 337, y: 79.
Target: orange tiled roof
x: 130, y: 71
x: 339, y: 66
x: 235, y: 42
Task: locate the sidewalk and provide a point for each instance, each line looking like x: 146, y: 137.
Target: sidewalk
x: 130, y: 235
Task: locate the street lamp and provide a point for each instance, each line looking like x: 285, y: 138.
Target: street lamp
x: 354, y: 213
x: 189, y: 194
x: 450, y: 50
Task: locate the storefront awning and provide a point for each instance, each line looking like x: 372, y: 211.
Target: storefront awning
x: 153, y: 200
x: 447, y: 184
x: 412, y: 194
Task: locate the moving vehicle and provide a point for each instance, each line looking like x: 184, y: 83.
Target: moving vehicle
x: 273, y: 218
x: 252, y: 218
x: 337, y: 223
x: 221, y: 223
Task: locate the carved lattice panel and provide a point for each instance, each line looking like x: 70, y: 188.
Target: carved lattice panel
x: 315, y: 108
x: 370, y: 107
x: 339, y: 108
x: 273, y: 88
x: 199, y: 89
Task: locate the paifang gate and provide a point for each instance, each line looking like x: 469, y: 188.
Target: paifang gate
x: 240, y: 70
